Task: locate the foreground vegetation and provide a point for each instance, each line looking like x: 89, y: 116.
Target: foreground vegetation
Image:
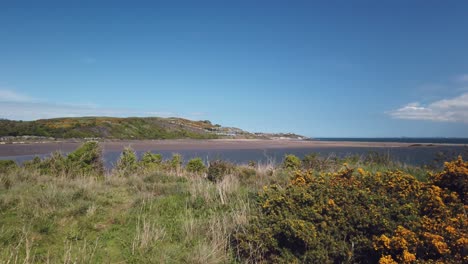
x: 68, y: 209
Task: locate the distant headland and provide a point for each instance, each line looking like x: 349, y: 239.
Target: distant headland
x: 130, y: 128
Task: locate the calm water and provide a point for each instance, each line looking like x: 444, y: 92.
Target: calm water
x: 409, y: 155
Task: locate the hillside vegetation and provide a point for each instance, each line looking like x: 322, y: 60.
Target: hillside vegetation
x: 68, y: 209
x: 120, y: 128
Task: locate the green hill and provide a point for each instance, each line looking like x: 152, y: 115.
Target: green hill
x: 120, y: 128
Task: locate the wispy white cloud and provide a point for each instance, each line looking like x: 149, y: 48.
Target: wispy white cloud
x: 445, y: 110
x: 7, y: 95
x: 17, y: 106
x: 33, y: 111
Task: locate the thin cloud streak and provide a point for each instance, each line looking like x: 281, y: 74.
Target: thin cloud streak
x: 13, y: 96
x: 33, y: 111
x: 445, y: 110
x: 17, y: 106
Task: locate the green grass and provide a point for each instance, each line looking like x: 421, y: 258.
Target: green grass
x: 154, y: 214
x: 146, y: 218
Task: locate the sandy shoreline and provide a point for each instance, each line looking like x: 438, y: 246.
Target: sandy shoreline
x: 185, y: 144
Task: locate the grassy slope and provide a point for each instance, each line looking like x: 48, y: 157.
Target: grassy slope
x: 153, y: 215
x: 141, y: 219
x: 112, y: 128
x: 147, y: 217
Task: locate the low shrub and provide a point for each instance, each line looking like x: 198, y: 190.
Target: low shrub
x: 149, y: 157
x: 32, y: 164
x: 246, y: 175
x: 312, y: 162
x: 150, y: 160
x: 195, y: 165
x: 127, y: 162
x: 7, y: 165
x: 454, y: 178
x: 356, y: 216
x: 176, y: 162
x: 87, y: 159
x: 218, y: 169
x: 291, y: 162
x: 6, y: 181
x: 56, y: 165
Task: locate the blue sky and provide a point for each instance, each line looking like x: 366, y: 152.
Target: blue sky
x: 322, y: 69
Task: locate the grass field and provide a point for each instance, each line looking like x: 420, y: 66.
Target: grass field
x: 163, y: 212
x: 143, y: 218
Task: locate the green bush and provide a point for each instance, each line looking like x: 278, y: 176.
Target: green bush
x: 32, y: 164
x: 87, y: 159
x: 176, y: 162
x: 151, y: 161
x: 291, y: 162
x: 127, y: 163
x: 56, y: 165
x: 195, y: 165
x: 150, y: 158
x: 218, y: 169
x: 246, y: 175
x: 7, y: 165
x: 312, y: 162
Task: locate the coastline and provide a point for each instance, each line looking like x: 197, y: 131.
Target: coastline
x: 38, y: 148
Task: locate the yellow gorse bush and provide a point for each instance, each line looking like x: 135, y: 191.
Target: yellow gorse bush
x: 354, y: 215
x: 454, y: 178
x: 387, y: 260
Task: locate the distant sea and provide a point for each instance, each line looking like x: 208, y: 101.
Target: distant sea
x: 439, y: 140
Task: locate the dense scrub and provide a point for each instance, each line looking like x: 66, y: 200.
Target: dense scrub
x: 196, y: 165
x: 151, y: 210
x: 359, y: 216
x: 84, y: 161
